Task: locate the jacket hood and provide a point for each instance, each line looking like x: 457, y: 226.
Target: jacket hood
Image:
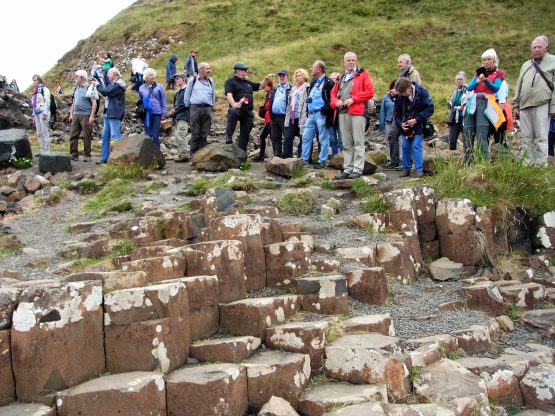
x: 121, y: 83
x: 173, y: 58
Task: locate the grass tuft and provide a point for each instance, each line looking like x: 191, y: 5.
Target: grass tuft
x: 515, y: 312
x: 298, y: 171
x: 374, y: 203
x: 133, y: 171
x: 86, y: 187
x: 296, y: 203
x: 114, y: 197
x: 454, y: 355
x: 380, y: 158
x: 4, y: 251
x: 235, y: 181
x: 415, y: 373
x: 334, y: 331
x: 362, y: 189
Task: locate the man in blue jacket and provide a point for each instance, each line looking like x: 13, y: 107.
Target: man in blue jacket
x: 170, y: 72
x: 278, y: 104
x: 413, y: 107
x: 114, y: 110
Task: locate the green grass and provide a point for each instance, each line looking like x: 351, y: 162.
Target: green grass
x: 245, y: 166
x: 154, y: 186
x: 375, y: 203
x: 113, y: 197
x: 88, y: 186
x: 305, y: 182
x: 296, y: 202
x: 454, y: 355
x: 362, y: 189
x: 22, y: 163
x: 513, y: 409
x: 504, y: 184
x: 333, y: 331
x: 415, y: 373
x: 298, y: 171
x: 380, y: 158
x: 124, y: 247
x: 5, y: 251
x: 515, y: 312
x: 133, y: 171
x: 443, y: 37
x: 235, y: 181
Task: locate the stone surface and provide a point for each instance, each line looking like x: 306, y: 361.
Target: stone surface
x: 396, y: 260
x: 538, y: 388
x: 525, y: 295
x: 368, y: 285
x: 52, y: 326
x: 207, y: 390
x: 445, y: 269
x: 502, y: 386
x: 447, y: 382
x: 541, y: 318
x: 136, y: 393
x: 226, y: 350
x: 370, y: 166
x: 318, y: 399
x: 248, y: 229
x: 277, y: 406
x: 218, y: 157
x: 223, y: 258
x: 7, y: 392
x: 273, y: 373
x: 544, y: 233
x: 284, y: 167
x: 285, y: 262
x: 478, y: 338
x: 382, y: 324
x: 368, y: 359
x: 158, y: 268
x: 487, y: 298
x: 27, y: 409
x: 253, y: 316
x: 54, y: 162
x: 14, y: 139
x: 364, y: 254
x: 8, y: 303
x: 112, y: 280
x: 366, y: 409
x: 324, y: 294
x: 137, y: 148
x: 16, y: 111
x: 302, y: 337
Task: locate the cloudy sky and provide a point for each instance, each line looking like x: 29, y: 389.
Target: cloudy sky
x: 35, y: 34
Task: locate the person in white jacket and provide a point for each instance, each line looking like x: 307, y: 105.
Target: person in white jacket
x: 41, y: 112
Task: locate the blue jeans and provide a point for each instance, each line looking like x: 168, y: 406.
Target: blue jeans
x: 153, y: 131
x: 316, y: 122
x: 412, y: 149
x: 336, y: 141
x: 111, y: 130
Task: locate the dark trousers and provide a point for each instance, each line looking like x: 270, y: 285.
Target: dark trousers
x: 393, y: 142
x: 153, y: 131
x: 245, y: 119
x: 277, y: 130
x: 499, y: 134
x: 80, y: 124
x: 291, y: 131
x: 454, y: 130
x: 550, y: 143
x: 201, y: 121
x: 263, y: 135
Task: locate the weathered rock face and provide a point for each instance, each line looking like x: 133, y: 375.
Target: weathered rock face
x: 223, y: 258
x: 544, y: 236
x: 445, y: 269
x: 370, y: 166
x: 542, y: 319
x: 447, y: 382
x: 396, y: 259
x: 52, y: 326
x: 284, y: 167
x: 368, y: 359
x: 158, y: 269
x: 478, y: 338
x: 137, y: 148
x: 248, y: 230
x: 138, y: 393
x: 28, y: 409
x: 8, y: 303
x: 324, y: 294
x: 278, y: 374
x: 218, y: 157
x: 502, y: 386
x: 382, y: 324
x: 538, y: 387
x: 526, y: 295
x: 207, y: 390
x: 487, y: 298
x: 363, y: 254
x: 15, y: 110
x: 54, y: 162
x: 112, y: 280
x: 368, y: 285
x: 226, y: 350
x: 13, y: 139
x: 218, y: 202
x: 7, y: 392
x: 277, y: 406
x: 285, y: 262
x: 147, y: 328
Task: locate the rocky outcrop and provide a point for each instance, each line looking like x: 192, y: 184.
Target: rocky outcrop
x: 218, y: 157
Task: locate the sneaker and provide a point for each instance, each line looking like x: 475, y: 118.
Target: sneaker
x: 319, y: 165
x: 101, y: 162
x: 228, y: 141
x: 405, y: 174
x: 390, y: 165
x: 87, y: 159
x: 341, y: 176
x: 258, y: 159
x: 182, y: 159
x: 75, y: 158
x: 354, y: 175
x: 399, y: 168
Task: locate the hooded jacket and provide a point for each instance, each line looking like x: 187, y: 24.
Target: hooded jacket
x: 421, y: 108
x: 170, y: 68
x: 363, y: 90
x: 115, y: 98
x: 157, y: 97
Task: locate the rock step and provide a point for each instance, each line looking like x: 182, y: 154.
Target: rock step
x: 324, y: 294
x: 126, y: 393
x: 318, y: 399
x: 158, y: 268
x: 27, y: 409
x: 382, y: 324
x: 252, y: 316
x: 384, y: 409
x: 112, y: 280
x: 226, y: 350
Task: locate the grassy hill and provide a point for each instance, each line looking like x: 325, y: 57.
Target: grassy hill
x: 443, y: 36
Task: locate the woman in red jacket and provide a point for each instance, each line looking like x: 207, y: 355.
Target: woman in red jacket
x: 266, y: 130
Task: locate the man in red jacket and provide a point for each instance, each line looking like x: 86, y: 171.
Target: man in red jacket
x: 349, y: 98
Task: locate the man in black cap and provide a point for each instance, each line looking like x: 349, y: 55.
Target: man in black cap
x: 278, y: 107
x: 238, y: 91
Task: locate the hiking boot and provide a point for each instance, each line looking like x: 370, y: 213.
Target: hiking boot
x: 354, y: 175
x: 101, y: 162
x: 229, y: 141
x: 87, y: 159
x: 75, y: 158
x: 341, y: 176
x: 399, y: 168
x: 182, y: 159
x: 405, y: 174
x: 390, y: 165
x: 258, y: 159
x: 319, y: 165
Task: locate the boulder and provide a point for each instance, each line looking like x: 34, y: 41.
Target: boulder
x: 13, y: 143
x: 370, y: 166
x: 368, y: 285
x: 366, y: 409
x: 225, y: 350
x: 447, y: 382
x: 478, y: 338
x: 445, y: 269
x: 525, y: 295
x: 538, y: 388
x: 32, y: 185
x: 285, y: 262
x: 487, y: 298
x: 382, y: 324
x: 8, y: 303
x: 219, y: 202
x: 363, y: 254
x: 319, y: 399
x: 137, y: 148
x: 543, y: 319
x: 10, y: 242
x: 7, y: 392
x: 16, y: 112
x: 277, y: 406
x: 52, y: 326
x: 218, y: 157
x: 207, y: 390
x: 544, y: 235
x: 284, y: 167
x: 54, y: 162
x: 324, y: 294
x: 138, y: 393
x: 27, y: 409
x: 397, y: 260
x: 402, y: 210
x: 273, y: 373
x: 502, y: 386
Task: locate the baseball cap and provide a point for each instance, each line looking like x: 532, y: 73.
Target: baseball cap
x: 283, y: 72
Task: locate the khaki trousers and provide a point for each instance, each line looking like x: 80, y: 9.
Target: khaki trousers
x: 352, y: 130
x: 534, y: 129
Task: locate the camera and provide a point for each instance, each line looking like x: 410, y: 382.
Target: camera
x: 309, y: 100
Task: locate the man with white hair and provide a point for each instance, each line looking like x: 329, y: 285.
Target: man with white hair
x: 81, y: 115
x: 534, y: 101
x: 404, y: 63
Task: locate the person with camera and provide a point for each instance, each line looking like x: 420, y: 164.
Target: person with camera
x: 295, y: 119
x: 279, y: 101
x: 349, y: 97
x: 486, y: 82
x: 180, y: 114
x: 413, y: 107
x: 454, y: 104
x: 320, y: 114
x: 238, y: 91
x: 264, y: 113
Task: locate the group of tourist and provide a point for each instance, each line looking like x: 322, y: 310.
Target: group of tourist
x: 331, y: 109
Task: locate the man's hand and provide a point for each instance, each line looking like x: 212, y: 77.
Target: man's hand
x: 516, y: 113
x: 348, y: 102
x: 481, y: 78
x: 91, y: 119
x: 237, y: 105
x: 339, y: 104
x: 393, y: 92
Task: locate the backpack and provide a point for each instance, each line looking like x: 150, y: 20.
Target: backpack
x: 53, y: 104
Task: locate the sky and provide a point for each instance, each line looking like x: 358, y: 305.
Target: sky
x: 36, y: 34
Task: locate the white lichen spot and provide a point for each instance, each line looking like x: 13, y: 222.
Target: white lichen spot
x: 161, y: 353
